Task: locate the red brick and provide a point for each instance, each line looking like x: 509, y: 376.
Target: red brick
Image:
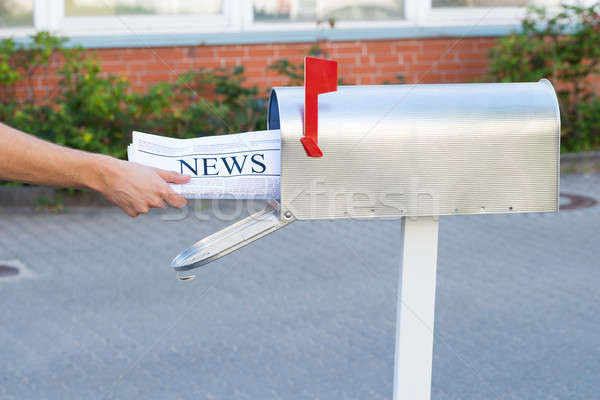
x: 349, y: 50
x: 452, y: 76
x: 379, y: 59
x: 473, y: 64
x: 368, y: 60
x: 166, y: 53
x: 231, y: 52
x: 472, y: 55
x: 326, y: 45
x: 348, y: 59
x: 422, y: 67
x: 485, y: 43
x: 380, y: 48
x: 365, y: 62
x: 254, y: 63
x: 199, y: 51
x: 111, y: 57
x: 430, y: 57
x: 435, y: 46
x: 295, y: 51
x: 430, y: 77
x: 160, y: 64
x: 113, y: 68
x: 471, y: 76
x: 407, y: 47
x: 360, y: 69
x: 463, y: 45
x: 207, y: 63
x: 368, y: 80
x: 390, y: 69
x: 447, y: 66
x: 141, y: 56
x: 135, y: 69
x: 153, y: 77
x: 230, y: 62
x: 183, y: 65
x: 407, y: 58
x: 260, y: 52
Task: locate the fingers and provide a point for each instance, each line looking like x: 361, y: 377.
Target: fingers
x: 172, y: 177
x: 159, y: 200
x: 136, y: 188
x: 174, y: 200
x: 161, y: 204
x: 129, y: 210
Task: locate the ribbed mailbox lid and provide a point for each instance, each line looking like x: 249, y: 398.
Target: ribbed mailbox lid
x: 419, y: 150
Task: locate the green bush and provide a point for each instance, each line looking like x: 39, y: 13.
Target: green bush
x: 586, y: 130
x: 95, y: 111
x: 564, y: 48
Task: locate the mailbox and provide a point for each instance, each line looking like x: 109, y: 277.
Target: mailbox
x: 407, y: 151
x: 411, y: 151
x: 417, y: 150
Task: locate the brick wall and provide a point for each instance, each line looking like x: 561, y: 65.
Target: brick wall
x: 361, y: 62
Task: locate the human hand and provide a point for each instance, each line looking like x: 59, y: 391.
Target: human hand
x: 136, y: 188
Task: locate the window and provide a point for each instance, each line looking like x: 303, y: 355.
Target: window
x: 135, y: 22
x: 494, y: 3
x: 323, y: 10
x: 480, y: 12
x: 78, y: 8
x: 136, y: 17
x: 16, y: 13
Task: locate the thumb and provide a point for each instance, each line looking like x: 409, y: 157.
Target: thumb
x: 172, y: 176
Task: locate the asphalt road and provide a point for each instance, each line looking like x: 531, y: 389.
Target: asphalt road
x: 305, y: 313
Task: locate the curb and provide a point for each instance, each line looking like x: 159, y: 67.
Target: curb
x: 48, y: 197
x: 580, y: 163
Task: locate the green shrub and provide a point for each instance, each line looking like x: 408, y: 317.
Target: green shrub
x: 586, y: 132
x: 95, y: 111
x: 295, y: 72
x: 564, y: 48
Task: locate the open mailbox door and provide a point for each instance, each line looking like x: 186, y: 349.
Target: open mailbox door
x: 231, y: 238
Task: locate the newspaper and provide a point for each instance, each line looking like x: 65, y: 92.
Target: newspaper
x: 241, y: 166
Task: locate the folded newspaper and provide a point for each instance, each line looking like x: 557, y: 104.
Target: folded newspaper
x: 241, y: 166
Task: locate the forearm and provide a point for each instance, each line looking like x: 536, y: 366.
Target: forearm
x: 26, y: 158
x: 133, y: 187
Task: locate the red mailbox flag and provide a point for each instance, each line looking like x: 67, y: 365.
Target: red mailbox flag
x: 320, y: 76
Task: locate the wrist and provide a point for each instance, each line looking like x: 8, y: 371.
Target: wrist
x: 99, y: 171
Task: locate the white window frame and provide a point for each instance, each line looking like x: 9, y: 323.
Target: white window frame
x: 20, y: 31
x: 474, y: 16
x: 248, y: 23
x: 238, y: 17
x: 146, y: 24
x: 50, y: 15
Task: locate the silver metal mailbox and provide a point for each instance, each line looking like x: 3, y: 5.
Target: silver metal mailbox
x: 406, y: 151
x: 420, y: 150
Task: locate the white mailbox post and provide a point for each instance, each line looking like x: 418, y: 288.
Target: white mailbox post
x: 415, y: 152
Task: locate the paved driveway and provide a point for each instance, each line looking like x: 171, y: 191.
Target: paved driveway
x: 96, y: 312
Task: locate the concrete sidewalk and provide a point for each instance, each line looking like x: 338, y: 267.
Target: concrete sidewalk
x: 100, y: 314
